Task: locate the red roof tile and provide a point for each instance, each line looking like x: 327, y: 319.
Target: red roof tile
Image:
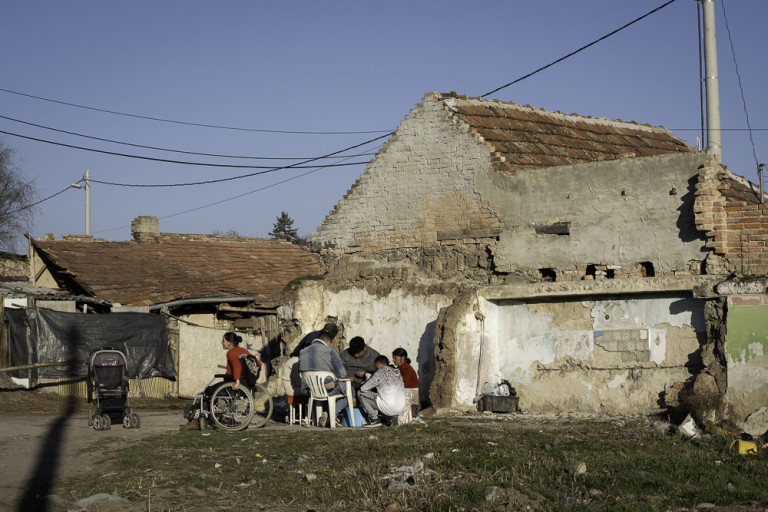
x: 149, y: 273
x: 533, y: 138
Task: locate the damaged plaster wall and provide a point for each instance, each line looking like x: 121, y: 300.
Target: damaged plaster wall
x: 585, y: 356
x: 398, y: 319
x: 620, y: 212
x: 747, y: 354
x: 200, y: 355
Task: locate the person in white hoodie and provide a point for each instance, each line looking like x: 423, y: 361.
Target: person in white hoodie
x: 383, y: 393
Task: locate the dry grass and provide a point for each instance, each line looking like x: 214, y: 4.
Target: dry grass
x: 468, y: 463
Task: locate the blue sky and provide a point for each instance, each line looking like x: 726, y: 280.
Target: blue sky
x: 327, y: 67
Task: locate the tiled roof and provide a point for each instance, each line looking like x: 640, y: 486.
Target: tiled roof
x: 522, y: 137
x: 149, y: 273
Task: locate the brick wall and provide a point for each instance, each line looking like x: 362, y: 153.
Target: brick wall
x: 728, y: 209
x: 418, y: 192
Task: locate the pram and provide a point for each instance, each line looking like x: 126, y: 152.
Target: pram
x: 108, y: 389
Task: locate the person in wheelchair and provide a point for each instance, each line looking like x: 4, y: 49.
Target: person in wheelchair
x: 236, y: 356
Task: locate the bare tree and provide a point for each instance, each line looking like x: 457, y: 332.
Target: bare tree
x: 16, y: 196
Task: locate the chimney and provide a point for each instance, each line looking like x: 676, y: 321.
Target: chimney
x: 145, y: 228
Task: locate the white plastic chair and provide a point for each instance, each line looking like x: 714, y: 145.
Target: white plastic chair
x: 292, y: 387
x: 318, y: 393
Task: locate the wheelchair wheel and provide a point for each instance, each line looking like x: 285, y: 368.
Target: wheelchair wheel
x: 262, y: 406
x: 231, y: 409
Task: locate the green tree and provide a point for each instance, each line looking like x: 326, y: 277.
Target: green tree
x: 16, y: 196
x: 283, y: 228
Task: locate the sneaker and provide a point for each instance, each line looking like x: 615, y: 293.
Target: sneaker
x: 372, y: 424
x: 323, y: 422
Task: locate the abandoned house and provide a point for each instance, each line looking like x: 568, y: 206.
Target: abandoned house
x: 204, y: 284
x: 582, y: 259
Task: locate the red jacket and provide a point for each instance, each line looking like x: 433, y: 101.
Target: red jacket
x: 234, y: 365
x: 410, y: 379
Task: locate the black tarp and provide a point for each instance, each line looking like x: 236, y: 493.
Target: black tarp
x: 60, y: 337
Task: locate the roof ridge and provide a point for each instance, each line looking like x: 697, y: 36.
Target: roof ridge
x: 442, y: 97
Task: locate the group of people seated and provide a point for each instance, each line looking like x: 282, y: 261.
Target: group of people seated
x: 382, y: 389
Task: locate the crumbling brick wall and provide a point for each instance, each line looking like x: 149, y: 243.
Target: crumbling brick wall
x: 728, y: 209
x: 385, y: 209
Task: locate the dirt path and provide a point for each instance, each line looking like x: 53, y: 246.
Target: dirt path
x: 38, y: 448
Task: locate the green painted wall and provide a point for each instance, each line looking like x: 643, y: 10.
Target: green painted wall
x: 746, y: 326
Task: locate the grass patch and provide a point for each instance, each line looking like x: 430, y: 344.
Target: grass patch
x: 452, y: 464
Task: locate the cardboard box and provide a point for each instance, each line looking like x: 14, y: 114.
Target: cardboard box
x: 497, y: 403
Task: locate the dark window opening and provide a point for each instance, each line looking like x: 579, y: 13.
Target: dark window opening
x: 548, y: 274
x: 591, y: 270
x: 646, y: 269
x: 557, y: 228
x: 609, y: 273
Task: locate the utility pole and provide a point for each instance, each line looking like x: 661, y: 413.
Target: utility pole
x: 87, y: 188
x: 714, y: 144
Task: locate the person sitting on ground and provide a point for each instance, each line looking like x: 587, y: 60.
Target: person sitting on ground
x: 388, y: 399
x: 319, y: 356
x: 235, y: 354
x: 359, y: 359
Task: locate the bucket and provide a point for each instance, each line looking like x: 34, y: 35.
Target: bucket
x: 358, y: 418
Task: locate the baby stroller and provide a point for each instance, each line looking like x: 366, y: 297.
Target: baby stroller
x: 108, y: 388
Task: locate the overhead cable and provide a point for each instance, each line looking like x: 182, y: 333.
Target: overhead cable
x: 298, y: 165
x: 203, y: 125
x: 165, y: 160
x: 42, y: 200
x: 741, y: 89
x: 577, y: 51
x: 163, y: 149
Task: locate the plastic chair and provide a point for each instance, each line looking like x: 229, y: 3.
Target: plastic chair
x: 318, y: 393
x: 292, y: 386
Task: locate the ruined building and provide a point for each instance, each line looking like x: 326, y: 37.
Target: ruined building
x: 582, y: 259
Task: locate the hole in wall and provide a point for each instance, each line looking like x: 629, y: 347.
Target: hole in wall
x: 646, y: 269
x: 548, y: 274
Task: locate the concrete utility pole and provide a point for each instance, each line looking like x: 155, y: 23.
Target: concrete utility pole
x: 714, y: 144
x: 87, y: 188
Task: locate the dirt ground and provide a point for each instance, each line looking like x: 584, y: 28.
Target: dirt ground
x: 44, y: 435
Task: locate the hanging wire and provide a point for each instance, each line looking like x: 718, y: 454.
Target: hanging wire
x: 606, y: 36
x: 741, y: 89
x: 189, y: 123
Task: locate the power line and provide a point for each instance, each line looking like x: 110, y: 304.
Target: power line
x: 158, y: 148
x: 741, y: 89
x: 43, y: 200
x: 577, y: 51
x: 298, y: 165
x: 203, y: 125
x: 224, y: 200
x: 165, y: 160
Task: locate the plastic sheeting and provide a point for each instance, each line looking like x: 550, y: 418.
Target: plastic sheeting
x: 54, y: 336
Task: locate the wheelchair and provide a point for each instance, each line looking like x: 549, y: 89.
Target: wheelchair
x: 230, y: 409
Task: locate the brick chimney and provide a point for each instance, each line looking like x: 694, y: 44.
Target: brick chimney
x: 145, y: 228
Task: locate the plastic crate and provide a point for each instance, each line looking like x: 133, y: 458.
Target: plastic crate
x: 497, y: 403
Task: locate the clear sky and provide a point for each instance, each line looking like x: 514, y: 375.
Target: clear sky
x: 309, y: 66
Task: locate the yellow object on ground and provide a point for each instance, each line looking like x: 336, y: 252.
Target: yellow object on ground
x: 744, y: 447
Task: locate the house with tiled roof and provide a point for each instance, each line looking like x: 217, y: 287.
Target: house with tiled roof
x: 577, y: 257
x: 205, y: 284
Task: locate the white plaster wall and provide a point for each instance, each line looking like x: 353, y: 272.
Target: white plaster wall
x: 200, y: 353
x: 386, y: 323
x: 524, y: 344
